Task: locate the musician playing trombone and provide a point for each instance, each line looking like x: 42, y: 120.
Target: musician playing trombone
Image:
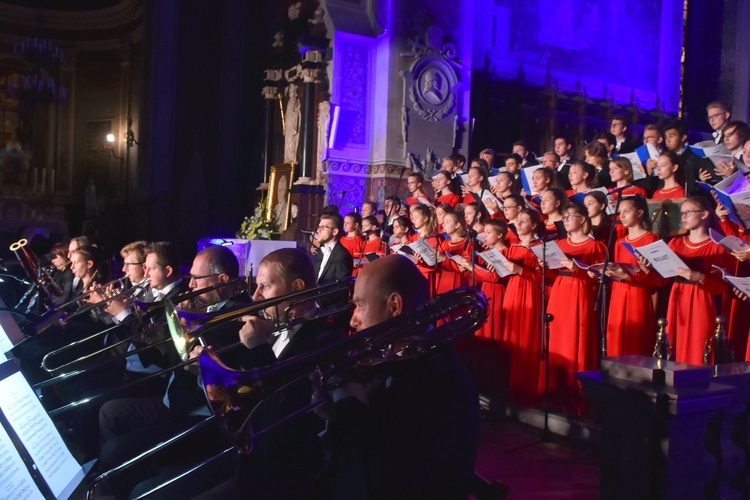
x: 128, y: 426
x: 285, y: 459
x: 409, y: 429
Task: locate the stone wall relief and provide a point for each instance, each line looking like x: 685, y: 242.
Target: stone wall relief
x: 431, y: 90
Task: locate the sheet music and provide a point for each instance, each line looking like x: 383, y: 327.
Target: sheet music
x: 735, y: 183
x: 741, y: 284
x: 653, y: 153
x: 639, y: 171
x: 599, y: 267
x: 553, y: 254
x: 15, y: 481
x: 427, y: 253
x: 497, y: 260
x: 526, y: 174
x: 731, y: 243
x: 10, y: 333
x: 38, y: 434
x: 662, y: 258
x: 488, y: 196
x: 481, y: 238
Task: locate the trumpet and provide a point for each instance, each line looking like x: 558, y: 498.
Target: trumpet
x: 234, y: 395
x: 183, y: 341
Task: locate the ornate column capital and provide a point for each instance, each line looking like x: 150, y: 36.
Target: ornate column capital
x: 311, y: 75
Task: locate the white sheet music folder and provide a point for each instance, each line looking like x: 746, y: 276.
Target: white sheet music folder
x: 54, y: 471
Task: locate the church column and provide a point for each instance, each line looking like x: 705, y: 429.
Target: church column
x: 63, y: 174
x: 271, y: 96
x: 123, y: 174
x: 310, y: 76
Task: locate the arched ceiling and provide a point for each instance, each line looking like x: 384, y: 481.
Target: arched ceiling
x: 83, y: 24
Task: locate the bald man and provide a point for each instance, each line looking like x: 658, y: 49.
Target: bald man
x: 411, y: 430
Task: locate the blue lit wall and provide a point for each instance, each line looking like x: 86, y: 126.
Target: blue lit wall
x: 621, y: 50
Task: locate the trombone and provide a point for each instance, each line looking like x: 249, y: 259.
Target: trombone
x: 235, y: 395
x: 180, y: 298
x: 183, y: 341
x: 58, y: 314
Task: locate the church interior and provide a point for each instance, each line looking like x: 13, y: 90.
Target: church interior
x: 187, y: 120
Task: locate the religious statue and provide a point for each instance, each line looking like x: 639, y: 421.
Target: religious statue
x: 324, y: 120
x: 292, y: 120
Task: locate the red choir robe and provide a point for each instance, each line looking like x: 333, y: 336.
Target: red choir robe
x: 450, y: 276
x: 691, y: 311
x: 736, y: 311
x: 427, y: 271
x: 574, y: 333
x: 488, y: 361
x: 521, y: 329
x: 671, y: 193
x: 451, y: 199
x: 629, y: 191
x: 631, y: 326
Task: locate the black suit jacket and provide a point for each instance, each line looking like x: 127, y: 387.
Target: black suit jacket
x: 628, y: 146
x: 417, y: 438
x: 691, y: 165
x: 339, y: 265
x: 285, y: 460
x: 562, y: 175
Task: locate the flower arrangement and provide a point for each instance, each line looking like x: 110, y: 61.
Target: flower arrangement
x: 256, y: 227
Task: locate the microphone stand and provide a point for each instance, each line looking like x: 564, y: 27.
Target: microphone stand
x: 473, y: 238
x: 362, y: 254
x: 343, y: 194
x: 546, y: 320
x: 395, y: 194
x: 600, y: 305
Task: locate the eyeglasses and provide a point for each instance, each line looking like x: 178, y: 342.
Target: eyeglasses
x: 507, y: 207
x: 132, y: 263
x: 715, y: 115
x: 688, y: 213
x: 571, y: 216
x: 196, y: 278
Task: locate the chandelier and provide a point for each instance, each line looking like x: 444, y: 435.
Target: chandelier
x: 40, y: 82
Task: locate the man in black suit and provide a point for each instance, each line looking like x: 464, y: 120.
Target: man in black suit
x: 619, y: 128
x: 130, y: 426
x: 675, y: 138
x: 528, y: 159
x: 564, y: 149
x: 285, y: 460
x: 333, y: 261
x: 718, y: 115
x: 409, y: 429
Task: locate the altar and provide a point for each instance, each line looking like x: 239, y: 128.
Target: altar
x: 247, y: 251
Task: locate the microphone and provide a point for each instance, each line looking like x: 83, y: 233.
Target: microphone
x: 549, y: 237
x: 306, y: 232
x: 368, y: 232
x: 342, y: 192
x: 472, y: 234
